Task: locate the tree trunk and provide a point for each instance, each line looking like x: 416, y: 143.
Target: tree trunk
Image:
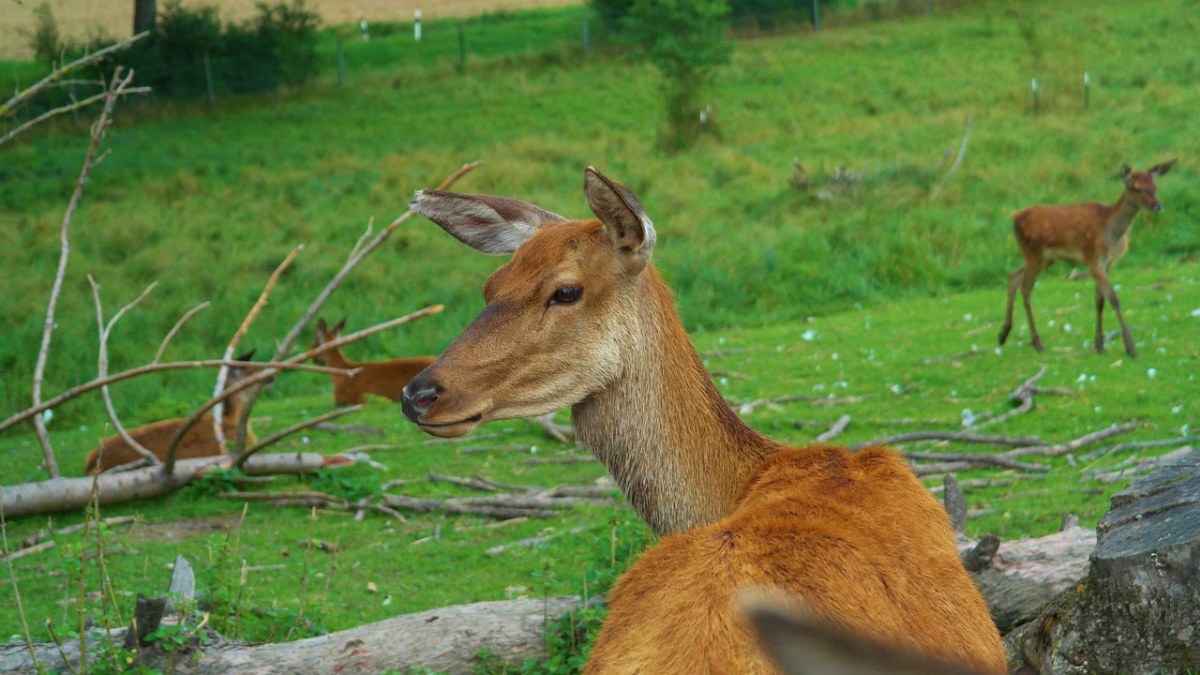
x: 442, y: 640
x: 145, y: 14
x: 1139, y: 609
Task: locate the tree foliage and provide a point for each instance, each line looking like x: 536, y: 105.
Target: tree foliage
x: 686, y: 41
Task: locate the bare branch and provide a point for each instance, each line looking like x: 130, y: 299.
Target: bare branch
x: 117, y: 84
x: 834, y: 431
x: 57, y: 76
x: 102, y: 367
x: 962, y: 149
x: 286, y: 344
x: 962, y: 436
x: 992, y: 460
x: 218, y: 432
x: 79, y: 390
x: 280, y: 435
x: 74, y: 105
x: 1064, y: 448
x: 175, y: 329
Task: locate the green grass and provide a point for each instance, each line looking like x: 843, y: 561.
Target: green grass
x: 207, y: 202
x: 883, y: 366
x: 905, y: 267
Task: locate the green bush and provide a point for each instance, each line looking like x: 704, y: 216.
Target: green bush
x: 275, y: 48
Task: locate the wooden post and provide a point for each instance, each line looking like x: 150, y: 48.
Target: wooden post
x: 587, y: 42
x: 208, y: 80
x: 341, y: 58
x: 462, y: 47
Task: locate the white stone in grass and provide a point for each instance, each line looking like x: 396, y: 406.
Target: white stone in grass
x: 1175, y: 410
x: 1152, y: 372
x: 808, y: 335
x: 1196, y: 313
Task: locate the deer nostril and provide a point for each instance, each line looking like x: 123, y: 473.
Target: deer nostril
x: 426, y: 402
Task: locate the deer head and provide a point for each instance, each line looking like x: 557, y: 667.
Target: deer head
x: 557, y: 315
x: 1140, y: 186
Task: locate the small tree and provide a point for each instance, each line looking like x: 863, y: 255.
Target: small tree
x: 686, y: 40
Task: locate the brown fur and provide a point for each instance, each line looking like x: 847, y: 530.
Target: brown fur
x: 1092, y: 234
x: 853, y: 535
x: 381, y: 378
x: 199, y: 441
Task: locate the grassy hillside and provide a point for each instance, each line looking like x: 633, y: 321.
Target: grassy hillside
x: 207, y: 202
x: 882, y: 293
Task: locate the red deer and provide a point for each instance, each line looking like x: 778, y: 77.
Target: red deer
x: 381, y: 378
x: 579, y: 317
x: 199, y: 441
x: 1092, y: 234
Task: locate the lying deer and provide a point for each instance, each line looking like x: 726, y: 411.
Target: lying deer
x: 580, y: 317
x: 199, y: 441
x: 381, y: 378
x: 1092, y: 234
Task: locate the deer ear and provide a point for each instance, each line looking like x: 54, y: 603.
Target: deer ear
x: 340, y: 325
x: 1160, y: 169
x: 801, y: 643
x: 1126, y: 173
x: 492, y: 225
x: 623, y: 216
x: 321, y: 327
x: 247, y: 356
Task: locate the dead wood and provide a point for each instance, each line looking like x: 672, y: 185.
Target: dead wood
x: 960, y: 436
x: 835, y: 429
x: 969, y: 459
x: 537, y: 541
x: 1063, y: 448
x: 70, y: 494
x: 362, y: 429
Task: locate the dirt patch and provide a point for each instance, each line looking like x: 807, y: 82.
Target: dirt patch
x: 177, y: 530
x: 80, y: 19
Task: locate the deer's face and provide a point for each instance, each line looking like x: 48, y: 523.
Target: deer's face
x: 555, y: 317
x: 1139, y: 185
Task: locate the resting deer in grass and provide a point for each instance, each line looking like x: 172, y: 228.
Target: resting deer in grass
x: 199, y: 441
x: 579, y: 317
x: 381, y: 378
x: 1092, y: 234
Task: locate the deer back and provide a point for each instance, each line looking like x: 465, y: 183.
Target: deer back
x: 854, y: 536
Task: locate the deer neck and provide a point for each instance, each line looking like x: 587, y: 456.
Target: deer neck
x: 1121, y: 215
x: 669, y: 439
x: 334, y: 358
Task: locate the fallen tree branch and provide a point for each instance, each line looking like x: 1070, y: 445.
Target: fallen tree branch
x: 961, y: 436
x: 71, y: 494
x: 537, y: 541
x: 992, y: 460
x: 1064, y: 448
x: 835, y: 430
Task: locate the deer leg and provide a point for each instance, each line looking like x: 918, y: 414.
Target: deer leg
x: 1014, y: 282
x: 1099, y: 320
x: 1027, y: 282
x: 1104, y: 287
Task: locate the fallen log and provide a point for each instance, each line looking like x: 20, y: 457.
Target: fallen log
x: 72, y: 494
x: 441, y: 640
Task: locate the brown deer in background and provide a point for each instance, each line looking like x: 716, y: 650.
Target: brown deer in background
x: 580, y: 317
x: 381, y: 378
x: 199, y: 441
x: 1092, y: 234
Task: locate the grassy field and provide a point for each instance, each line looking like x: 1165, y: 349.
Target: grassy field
x: 858, y: 292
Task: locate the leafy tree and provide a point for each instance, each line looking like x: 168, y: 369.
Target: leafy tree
x: 686, y: 40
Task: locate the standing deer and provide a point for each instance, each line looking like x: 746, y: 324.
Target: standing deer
x: 382, y: 378
x: 580, y: 317
x: 1092, y: 234
x: 199, y: 441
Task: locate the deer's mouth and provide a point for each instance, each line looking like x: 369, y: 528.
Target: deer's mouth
x: 451, y: 429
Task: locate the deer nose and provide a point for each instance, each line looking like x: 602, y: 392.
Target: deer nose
x: 1156, y: 207
x: 419, y: 397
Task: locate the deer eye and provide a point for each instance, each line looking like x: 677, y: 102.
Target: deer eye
x: 566, y: 295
